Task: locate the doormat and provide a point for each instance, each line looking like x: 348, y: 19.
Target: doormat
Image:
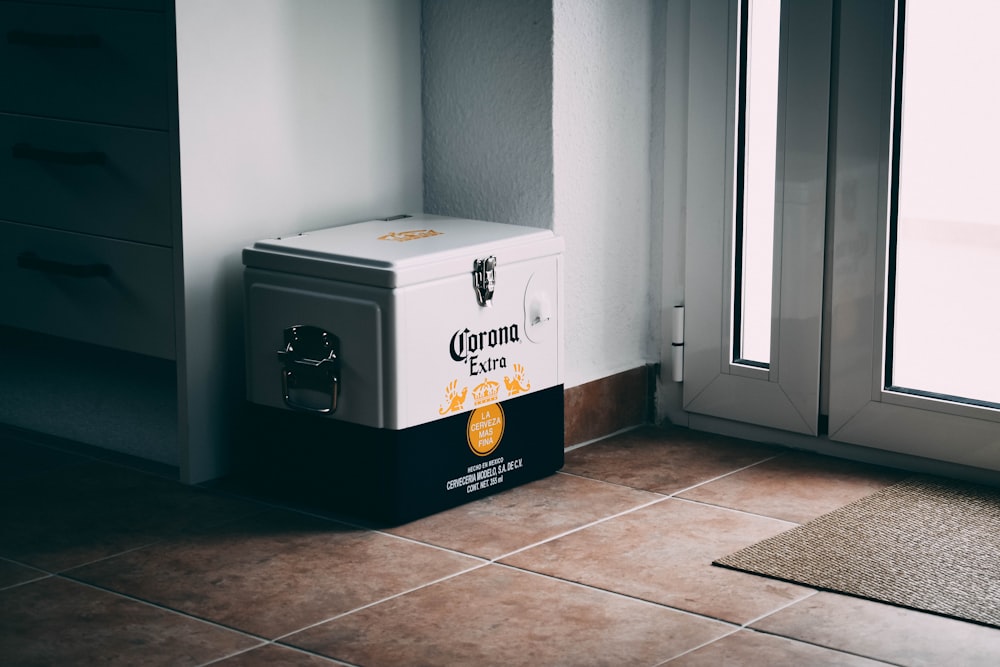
x: 925, y: 543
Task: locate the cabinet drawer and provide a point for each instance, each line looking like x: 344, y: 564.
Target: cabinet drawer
x: 81, y: 63
x: 96, y: 290
x: 84, y: 177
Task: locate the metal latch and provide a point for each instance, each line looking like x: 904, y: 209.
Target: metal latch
x: 310, y: 368
x: 485, y: 278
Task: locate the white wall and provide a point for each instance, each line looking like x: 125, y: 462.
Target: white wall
x: 539, y: 113
x: 487, y: 97
x: 293, y: 115
x: 602, y: 73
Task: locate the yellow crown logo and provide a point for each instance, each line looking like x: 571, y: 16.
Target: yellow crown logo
x: 486, y: 392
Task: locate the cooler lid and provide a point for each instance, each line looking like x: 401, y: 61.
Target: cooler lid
x: 402, y: 251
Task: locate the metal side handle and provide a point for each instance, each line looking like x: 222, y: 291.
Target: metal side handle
x: 309, y: 362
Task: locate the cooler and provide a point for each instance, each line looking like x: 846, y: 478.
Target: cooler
x: 407, y: 365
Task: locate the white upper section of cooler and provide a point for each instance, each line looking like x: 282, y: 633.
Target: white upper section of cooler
x: 405, y: 251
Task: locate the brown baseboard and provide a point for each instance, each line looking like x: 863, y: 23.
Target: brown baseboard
x: 608, y: 405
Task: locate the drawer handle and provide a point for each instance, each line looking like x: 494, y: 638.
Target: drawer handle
x: 32, y: 262
x: 29, y: 152
x: 54, y: 41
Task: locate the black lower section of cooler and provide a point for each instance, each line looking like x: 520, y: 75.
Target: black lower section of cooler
x: 392, y: 477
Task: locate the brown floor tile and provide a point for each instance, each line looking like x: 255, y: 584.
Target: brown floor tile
x: 74, y: 516
x: 796, y: 486
x: 498, y: 616
x: 516, y: 518
x: 663, y: 460
x: 884, y: 632
x: 12, y: 574
x: 394, y: 601
x: 272, y: 655
x: 59, y: 622
x: 274, y: 573
x: 751, y: 648
x: 663, y: 553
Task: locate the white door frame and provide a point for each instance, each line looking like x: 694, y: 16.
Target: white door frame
x: 786, y: 394
x: 866, y: 422
x: 862, y: 410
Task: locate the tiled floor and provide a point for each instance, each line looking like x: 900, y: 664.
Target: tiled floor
x: 607, y: 562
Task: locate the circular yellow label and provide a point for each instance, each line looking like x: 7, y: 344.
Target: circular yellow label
x: 485, y: 429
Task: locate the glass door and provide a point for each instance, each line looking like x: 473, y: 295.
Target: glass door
x: 841, y: 238
x: 944, y: 254
x: 756, y: 203
x: 916, y: 257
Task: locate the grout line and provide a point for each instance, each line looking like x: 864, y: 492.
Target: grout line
x: 700, y: 646
x: 604, y: 481
x: 673, y: 494
x: 627, y: 429
x: 412, y: 540
x: 39, y: 573
x: 116, y: 554
x: 381, y: 600
x: 841, y: 651
x: 579, y: 528
x: 702, y: 503
x: 723, y: 476
x: 42, y: 576
x: 778, y: 636
x: 170, y: 610
x: 686, y: 612
x: 234, y: 654
x: 296, y: 649
x: 746, y: 626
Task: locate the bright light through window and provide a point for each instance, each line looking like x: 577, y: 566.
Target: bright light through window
x: 946, y: 323
x: 755, y: 257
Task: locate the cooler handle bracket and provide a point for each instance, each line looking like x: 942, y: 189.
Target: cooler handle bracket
x: 310, y: 361
x: 485, y: 279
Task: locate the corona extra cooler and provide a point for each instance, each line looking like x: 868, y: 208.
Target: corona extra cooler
x: 404, y: 366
